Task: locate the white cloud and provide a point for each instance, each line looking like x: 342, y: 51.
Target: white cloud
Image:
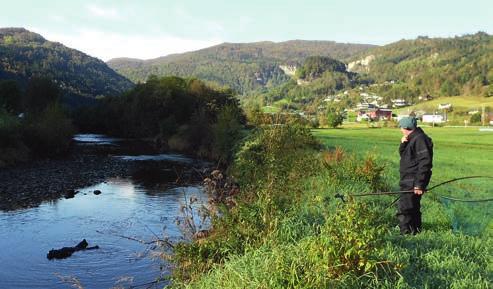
x: 103, y: 12
x: 110, y: 45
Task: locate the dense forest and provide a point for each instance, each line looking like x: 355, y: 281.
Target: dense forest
x: 243, y: 67
x: 437, y: 66
x: 32, y: 123
x: 24, y: 54
x: 179, y: 114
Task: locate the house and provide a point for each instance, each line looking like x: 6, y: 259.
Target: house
x: 380, y: 114
x: 425, y: 97
x: 362, y: 105
x: 445, y: 106
x: 433, y: 118
x: 399, y: 102
x: 374, y: 114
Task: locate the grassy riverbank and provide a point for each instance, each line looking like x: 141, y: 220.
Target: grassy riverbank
x: 286, y: 230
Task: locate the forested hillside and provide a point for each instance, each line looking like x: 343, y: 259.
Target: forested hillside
x: 24, y: 54
x: 438, y: 66
x: 243, y: 67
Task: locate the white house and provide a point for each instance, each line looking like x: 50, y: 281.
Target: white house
x: 444, y: 106
x: 399, y: 102
x: 433, y: 118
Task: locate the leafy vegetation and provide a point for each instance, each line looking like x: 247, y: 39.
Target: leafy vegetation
x: 314, y: 66
x: 43, y: 128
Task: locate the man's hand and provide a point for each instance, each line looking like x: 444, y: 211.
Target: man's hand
x: 404, y: 139
x: 418, y: 191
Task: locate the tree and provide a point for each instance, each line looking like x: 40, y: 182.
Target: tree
x: 448, y: 88
x: 475, y: 118
x: 40, y: 92
x: 10, y: 96
x: 334, y: 118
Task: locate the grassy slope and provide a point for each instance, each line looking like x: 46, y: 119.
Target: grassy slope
x: 458, y: 102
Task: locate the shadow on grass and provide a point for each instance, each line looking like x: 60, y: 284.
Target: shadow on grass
x: 442, y: 259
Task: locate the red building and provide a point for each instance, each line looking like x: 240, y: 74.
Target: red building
x: 377, y: 114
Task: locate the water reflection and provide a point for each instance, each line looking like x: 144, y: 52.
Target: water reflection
x: 125, y: 207
x: 96, y: 139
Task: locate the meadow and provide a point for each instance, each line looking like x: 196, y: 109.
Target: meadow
x: 288, y: 231
x: 458, y: 152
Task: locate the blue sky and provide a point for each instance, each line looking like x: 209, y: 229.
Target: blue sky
x: 148, y: 29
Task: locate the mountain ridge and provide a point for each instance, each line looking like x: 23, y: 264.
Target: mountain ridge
x: 241, y: 66
x: 24, y: 54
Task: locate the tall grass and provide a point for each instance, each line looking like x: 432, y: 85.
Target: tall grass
x: 287, y: 230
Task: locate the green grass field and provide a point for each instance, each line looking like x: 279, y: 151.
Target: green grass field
x: 438, y: 250
x: 290, y: 231
x: 457, y: 151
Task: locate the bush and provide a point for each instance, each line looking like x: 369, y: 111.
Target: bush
x: 475, y: 118
x: 272, y: 153
x: 334, y: 119
x: 281, y: 233
x: 227, y: 132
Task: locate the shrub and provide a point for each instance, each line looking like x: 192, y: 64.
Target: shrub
x: 475, y: 118
x: 334, y: 119
x: 274, y: 153
x: 227, y: 132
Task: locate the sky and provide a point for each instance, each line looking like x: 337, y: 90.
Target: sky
x: 148, y: 29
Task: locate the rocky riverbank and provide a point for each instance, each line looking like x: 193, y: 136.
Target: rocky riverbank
x: 27, y: 185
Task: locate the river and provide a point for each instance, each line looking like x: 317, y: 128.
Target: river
x: 131, y: 206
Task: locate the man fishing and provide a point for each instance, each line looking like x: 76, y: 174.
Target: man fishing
x: 416, y: 151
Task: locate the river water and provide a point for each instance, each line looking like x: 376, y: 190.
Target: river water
x: 125, y: 208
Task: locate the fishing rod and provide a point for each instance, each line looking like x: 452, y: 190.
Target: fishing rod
x: 342, y: 197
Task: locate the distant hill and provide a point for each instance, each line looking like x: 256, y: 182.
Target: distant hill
x: 438, y: 66
x: 315, y: 66
x: 406, y: 69
x: 241, y: 66
x: 24, y: 54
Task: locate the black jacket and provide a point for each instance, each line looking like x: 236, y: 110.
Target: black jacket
x: 416, y: 160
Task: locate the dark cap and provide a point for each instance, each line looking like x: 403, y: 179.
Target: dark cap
x: 408, y: 122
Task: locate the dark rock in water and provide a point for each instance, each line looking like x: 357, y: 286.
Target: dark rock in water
x: 97, y: 192
x: 66, y: 252
x: 69, y: 194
